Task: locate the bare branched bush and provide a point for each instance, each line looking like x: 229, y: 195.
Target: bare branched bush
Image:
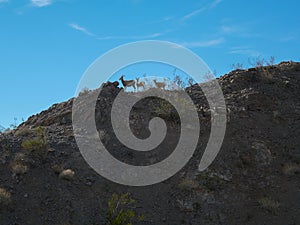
x: 209, y: 76
x: 264, y: 66
x: 190, y: 81
x: 256, y: 62
x: 237, y: 66
x: 271, y: 61
x: 179, y: 82
x: 84, y: 91
x: 260, y: 62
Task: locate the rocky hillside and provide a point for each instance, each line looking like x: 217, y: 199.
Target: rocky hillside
x: 254, y: 179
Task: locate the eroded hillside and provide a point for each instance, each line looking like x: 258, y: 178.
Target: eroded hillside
x: 254, y: 179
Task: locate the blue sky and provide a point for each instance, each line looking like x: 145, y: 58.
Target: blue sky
x: 46, y: 45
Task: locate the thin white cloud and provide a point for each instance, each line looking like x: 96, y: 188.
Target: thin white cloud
x: 163, y: 20
x: 167, y: 18
x: 211, y: 5
x: 154, y: 35
x: 288, y: 38
x: 239, y: 30
x: 80, y: 28
x: 229, y: 29
x: 133, y: 37
x: 203, y: 43
x: 135, y: 1
x: 244, y: 51
x: 3, y: 1
x: 41, y: 3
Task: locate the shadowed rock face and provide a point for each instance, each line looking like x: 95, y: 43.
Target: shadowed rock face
x: 254, y: 179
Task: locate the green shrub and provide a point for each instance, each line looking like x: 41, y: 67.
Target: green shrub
x: 121, y: 210
x: 167, y: 111
x: 32, y: 144
x: 165, y: 108
x: 37, y: 146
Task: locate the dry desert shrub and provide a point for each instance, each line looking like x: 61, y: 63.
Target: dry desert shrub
x: 18, y: 168
x: 291, y: 168
x: 5, y: 197
x: 270, y: 205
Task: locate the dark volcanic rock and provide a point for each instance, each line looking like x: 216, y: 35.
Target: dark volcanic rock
x: 254, y: 179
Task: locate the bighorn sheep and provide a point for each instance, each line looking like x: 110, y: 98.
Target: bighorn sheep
x: 159, y: 84
x: 127, y: 83
x: 140, y: 84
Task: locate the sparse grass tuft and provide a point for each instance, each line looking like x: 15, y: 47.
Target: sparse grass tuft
x: 188, y: 184
x: 211, y: 181
x: 20, y: 164
x: 165, y: 108
x: 18, y: 168
x: 291, y: 168
x: 270, y: 205
x: 24, y: 131
x: 167, y: 111
x: 57, y: 168
x: 5, y: 197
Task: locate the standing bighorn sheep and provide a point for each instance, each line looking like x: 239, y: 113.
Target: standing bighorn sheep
x: 140, y: 84
x: 127, y: 83
x: 161, y: 85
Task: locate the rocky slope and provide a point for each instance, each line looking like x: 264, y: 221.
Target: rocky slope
x: 254, y: 179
